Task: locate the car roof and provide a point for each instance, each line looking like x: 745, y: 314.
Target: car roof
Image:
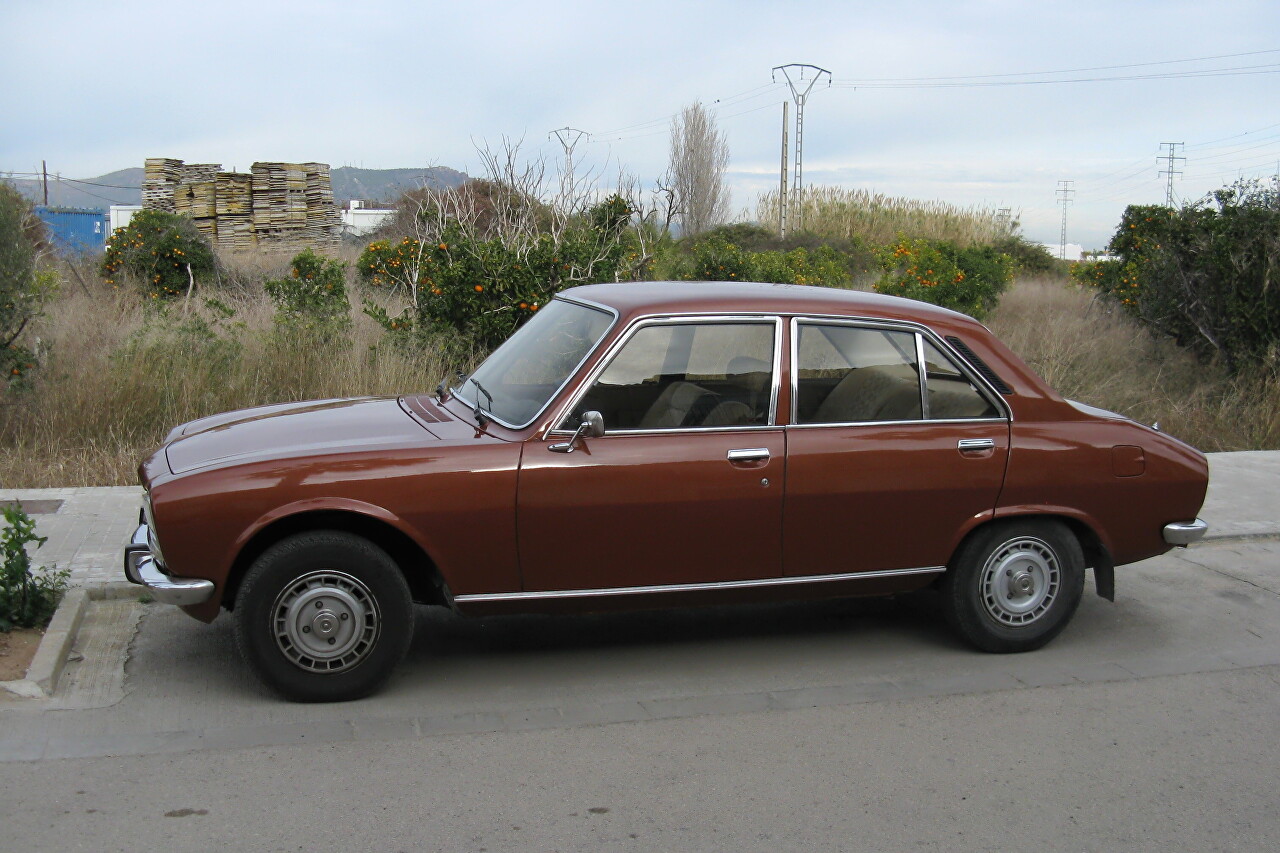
x: 748, y: 297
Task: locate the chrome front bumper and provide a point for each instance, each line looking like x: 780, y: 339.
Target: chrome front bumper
x: 1184, y: 532
x: 140, y: 567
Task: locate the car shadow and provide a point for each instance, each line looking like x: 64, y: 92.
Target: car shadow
x: 442, y: 634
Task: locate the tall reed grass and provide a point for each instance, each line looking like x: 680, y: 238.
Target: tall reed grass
x: 841, y: 213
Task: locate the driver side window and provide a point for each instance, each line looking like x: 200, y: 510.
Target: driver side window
x: 686, y: 375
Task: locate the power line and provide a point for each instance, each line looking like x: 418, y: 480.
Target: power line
x: 1272, y: 68
x: 1072, y: 70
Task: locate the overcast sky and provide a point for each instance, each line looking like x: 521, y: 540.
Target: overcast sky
x: 92, y: 87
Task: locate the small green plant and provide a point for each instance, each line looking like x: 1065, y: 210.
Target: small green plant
x: 27, y: 598
x: 163, y: 253
x: 313, y: 299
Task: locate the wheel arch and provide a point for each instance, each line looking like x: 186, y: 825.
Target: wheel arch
x: 1096, y: 554
x: 420, y: 572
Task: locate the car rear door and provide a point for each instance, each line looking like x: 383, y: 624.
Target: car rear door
x: 882, y: 473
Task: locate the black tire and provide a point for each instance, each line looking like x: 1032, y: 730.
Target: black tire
x: 1013, y: 587
x: 323, y: 616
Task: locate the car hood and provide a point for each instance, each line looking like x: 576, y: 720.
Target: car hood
x: 294, y: 429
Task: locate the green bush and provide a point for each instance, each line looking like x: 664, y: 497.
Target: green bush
x: 313, y: 299
x: 969, y: 279
x: 27, y: 599
x: 715, y: 258
x: 1206, y: 274
x: 161, y: 252
x: 1030, y: 258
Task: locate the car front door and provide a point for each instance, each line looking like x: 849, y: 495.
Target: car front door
x: 686, y: 485
x: 883, y: 475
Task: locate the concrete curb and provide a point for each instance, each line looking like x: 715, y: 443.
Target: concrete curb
x: 51, y: 656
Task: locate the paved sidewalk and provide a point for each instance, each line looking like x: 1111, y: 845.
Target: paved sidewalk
x: 88, y: 527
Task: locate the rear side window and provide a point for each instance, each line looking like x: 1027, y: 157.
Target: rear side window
x: 849, y: 374
x: 859, y: 374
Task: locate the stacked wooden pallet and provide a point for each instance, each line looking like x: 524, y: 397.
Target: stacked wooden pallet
x: 288, y: 206
x: 197, y: 199
x: 323, y: 220
x: 160, y: 177
x: 234, y: 194
x: 235, y: 233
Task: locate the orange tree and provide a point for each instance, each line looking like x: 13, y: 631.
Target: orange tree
x: 484, y: 286
x: 969, y: 279
x: 1206, y: 274
x: 161, y: 252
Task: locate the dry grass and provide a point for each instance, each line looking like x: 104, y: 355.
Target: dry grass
x: 117, y: 377
x: 841, y: 213
x: 1090, y: 352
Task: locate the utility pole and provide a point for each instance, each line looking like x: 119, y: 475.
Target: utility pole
x: 782, y: 187
x: 569, y: 138
x: 1170, y: 157
x: 1066, y: 189
x: 44, y: 180
x: 1003, y: 217
x: 800, y: 93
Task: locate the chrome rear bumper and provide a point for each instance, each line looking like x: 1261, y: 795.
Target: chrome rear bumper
x: 140, y: 567
x: 1184, y: 532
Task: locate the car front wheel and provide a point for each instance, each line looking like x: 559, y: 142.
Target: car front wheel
x: 1013, y: 587
x: 323, y: 616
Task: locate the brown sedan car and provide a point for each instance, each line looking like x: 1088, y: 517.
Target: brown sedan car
x: 650, y: 445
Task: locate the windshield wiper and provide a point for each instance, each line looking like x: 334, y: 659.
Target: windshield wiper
x: 481, y: 415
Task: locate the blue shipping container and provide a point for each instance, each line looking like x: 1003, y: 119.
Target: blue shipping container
x: 75, y: 230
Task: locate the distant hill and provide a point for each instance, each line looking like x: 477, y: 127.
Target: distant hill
x: 384, y: 186
x: 374, y: 186
x: 122, y: 187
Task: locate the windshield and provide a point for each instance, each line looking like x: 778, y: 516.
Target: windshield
x: 524, y: 373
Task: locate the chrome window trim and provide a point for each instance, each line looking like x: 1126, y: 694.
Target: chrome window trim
x: 683, y: 319
x: 900, y: 423
x: 584, y: 303
x: 922, y: 377
x: 988, y: 392
x: 537, y: 595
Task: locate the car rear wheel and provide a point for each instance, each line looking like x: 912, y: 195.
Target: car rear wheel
x: 1013, y: 587
x: 323, y: 616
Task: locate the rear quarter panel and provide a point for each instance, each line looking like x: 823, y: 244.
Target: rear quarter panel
x: 1068, y: 465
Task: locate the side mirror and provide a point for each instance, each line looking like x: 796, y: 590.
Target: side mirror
x: 592, y: 425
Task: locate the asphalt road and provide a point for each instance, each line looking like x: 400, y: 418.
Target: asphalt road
x: 1151, y: 723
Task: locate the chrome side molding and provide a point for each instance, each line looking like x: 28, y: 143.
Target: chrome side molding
x: 538, y: 595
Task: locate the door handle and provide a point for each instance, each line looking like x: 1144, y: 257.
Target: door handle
x: 975, y: 444
x: 753, y: 454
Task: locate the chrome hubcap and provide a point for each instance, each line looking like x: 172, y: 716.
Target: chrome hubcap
x: 1020, y: 581
x: 325, y: 621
